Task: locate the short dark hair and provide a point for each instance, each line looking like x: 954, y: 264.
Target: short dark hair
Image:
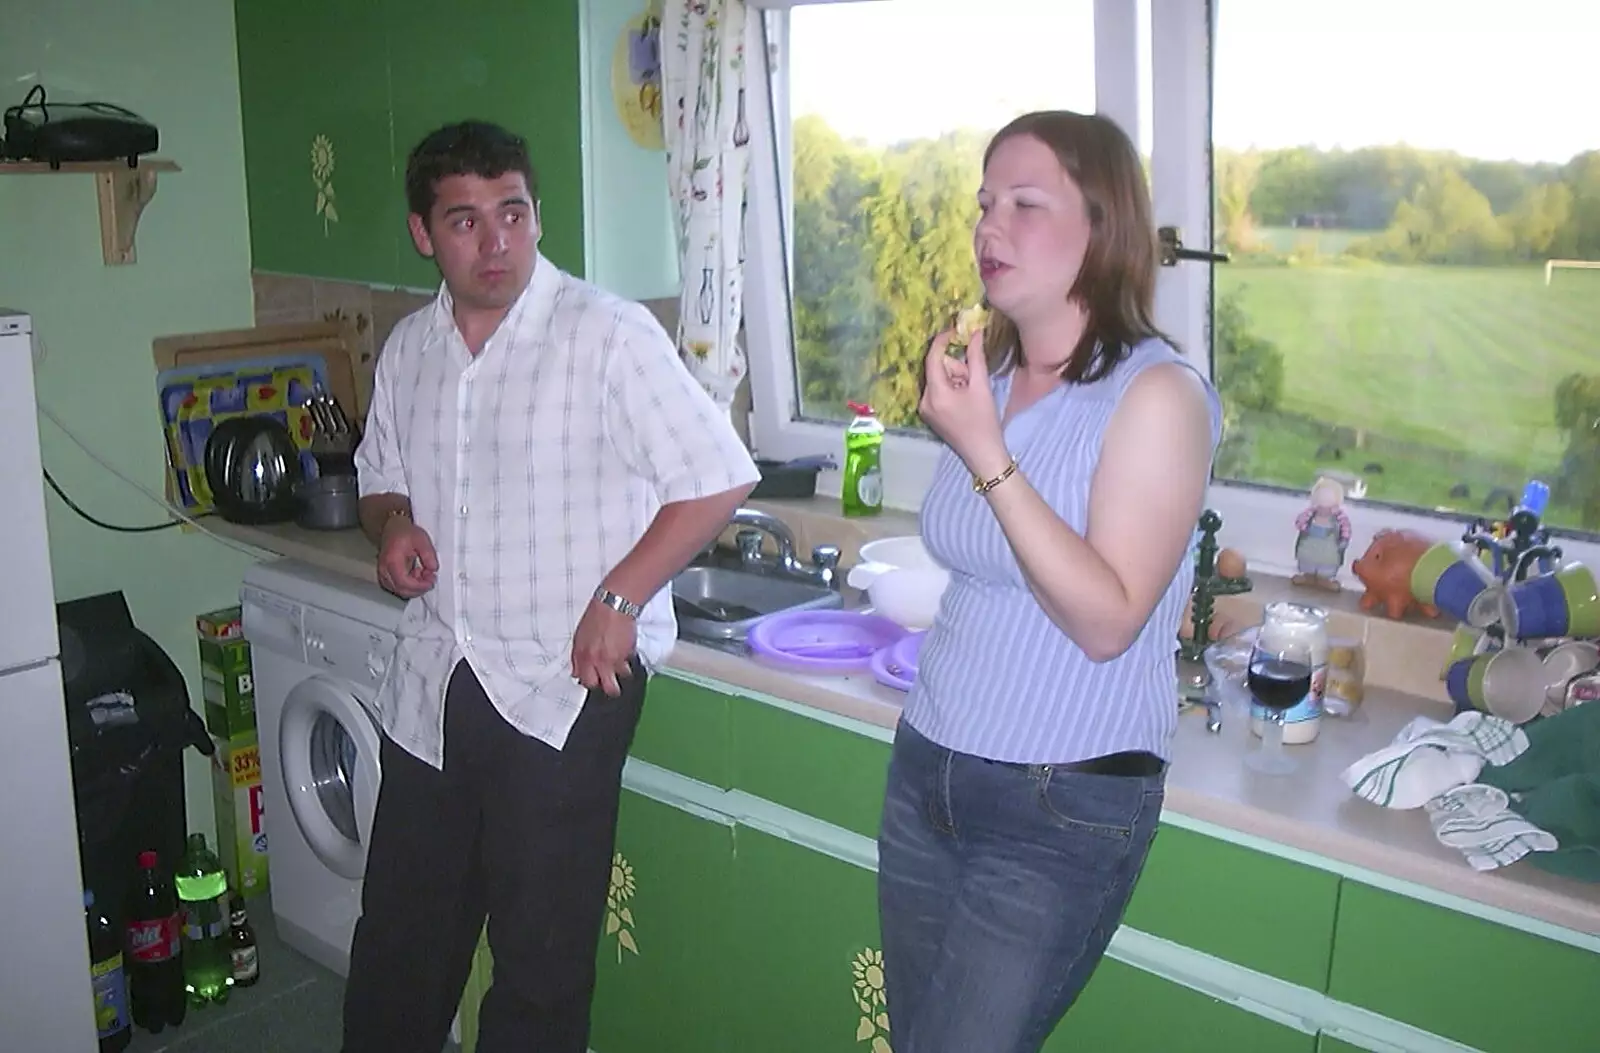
x: 478, y: 148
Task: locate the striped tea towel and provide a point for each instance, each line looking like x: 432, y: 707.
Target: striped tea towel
x: 1478, y: 820
x: 1427, y: 758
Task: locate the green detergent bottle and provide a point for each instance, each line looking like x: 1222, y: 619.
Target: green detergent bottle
x: 862, y: 494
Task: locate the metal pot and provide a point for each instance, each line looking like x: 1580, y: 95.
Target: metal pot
x: 253, y: 470
x: 329, y: 502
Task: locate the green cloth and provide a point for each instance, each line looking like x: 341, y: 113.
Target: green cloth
x: 1555, y: 785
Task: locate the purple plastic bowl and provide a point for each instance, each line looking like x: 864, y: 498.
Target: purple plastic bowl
x: 896, y: 665
x: 822, y: 642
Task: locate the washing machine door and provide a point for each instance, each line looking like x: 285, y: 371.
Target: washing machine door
x: 329, y: 745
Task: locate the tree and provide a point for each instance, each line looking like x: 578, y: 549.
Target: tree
x: 1249, y: 376
x: 1539, y: 220
x: 1444, y: 221
x: 1577, y: 406
x: 1235, y: 180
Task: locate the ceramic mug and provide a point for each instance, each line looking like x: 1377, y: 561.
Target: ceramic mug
x: 1455, y: 585
x: 1563, y: 663
x: 1508, y: 683
x: 1565, y: 603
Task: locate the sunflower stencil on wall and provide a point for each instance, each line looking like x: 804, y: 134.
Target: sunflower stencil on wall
x: 866, y: 985
x: 619, y: 918
x: 322, y: 178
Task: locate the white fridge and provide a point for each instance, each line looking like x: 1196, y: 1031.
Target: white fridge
x: 46, y: 1003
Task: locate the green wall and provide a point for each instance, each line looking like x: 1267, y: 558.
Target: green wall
x: 373, y: 77
x: 174, y: 63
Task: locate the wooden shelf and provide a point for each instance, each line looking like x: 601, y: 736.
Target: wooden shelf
x: 123, y: 193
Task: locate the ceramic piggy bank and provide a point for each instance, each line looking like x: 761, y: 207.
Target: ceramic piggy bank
x: 1385, y: 569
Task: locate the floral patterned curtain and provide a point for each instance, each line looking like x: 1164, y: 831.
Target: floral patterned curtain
x: 708, y: 158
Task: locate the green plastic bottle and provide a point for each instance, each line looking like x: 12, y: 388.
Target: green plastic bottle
x: 862, y: 494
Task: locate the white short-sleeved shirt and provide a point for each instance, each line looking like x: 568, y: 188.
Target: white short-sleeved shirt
x: 535, y: 467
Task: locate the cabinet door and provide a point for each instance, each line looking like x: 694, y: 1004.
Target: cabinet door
x: 314, y: 98
x: 807, y: 964
x: 1268, y: 914
x: 1485, y: 985
x: 1126, y: 1009
x: 664, y: 967
x: 514, y: 62
x: 684, y: 729
x: 1329, y: 1044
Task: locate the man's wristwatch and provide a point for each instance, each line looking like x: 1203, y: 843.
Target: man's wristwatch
x: 617, y: 603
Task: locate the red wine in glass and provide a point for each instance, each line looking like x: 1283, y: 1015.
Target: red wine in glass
x: 1278, y: 678
x: 1278, y: 682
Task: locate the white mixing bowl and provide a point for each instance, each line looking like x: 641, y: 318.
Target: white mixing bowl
x: 901, y: 579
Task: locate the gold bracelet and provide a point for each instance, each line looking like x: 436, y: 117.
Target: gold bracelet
x: 982, y: 486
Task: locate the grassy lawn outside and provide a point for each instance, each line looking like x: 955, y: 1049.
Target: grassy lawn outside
x: 1443, y: 375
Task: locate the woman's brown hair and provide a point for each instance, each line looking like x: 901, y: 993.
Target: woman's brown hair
x: 1117, y: 282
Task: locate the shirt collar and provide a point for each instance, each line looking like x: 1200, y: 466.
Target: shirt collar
x: 528, y: 313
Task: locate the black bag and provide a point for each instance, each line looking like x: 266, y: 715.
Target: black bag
x: 90, y: 131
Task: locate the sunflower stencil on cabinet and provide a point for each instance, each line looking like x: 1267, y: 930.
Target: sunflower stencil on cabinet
x: 866, y: 981
x: 322, y: 162
x: 619, y: 916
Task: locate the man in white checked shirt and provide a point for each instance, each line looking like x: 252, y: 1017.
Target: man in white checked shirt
x: 537, y: 465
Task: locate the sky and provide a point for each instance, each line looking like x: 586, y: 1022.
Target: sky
x: 1491, y: 79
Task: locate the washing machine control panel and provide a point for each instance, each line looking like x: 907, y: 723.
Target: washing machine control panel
x: 347, y: 649
x: 272, y: 623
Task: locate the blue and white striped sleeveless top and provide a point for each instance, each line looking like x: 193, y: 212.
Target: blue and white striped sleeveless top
x: 996, y: 677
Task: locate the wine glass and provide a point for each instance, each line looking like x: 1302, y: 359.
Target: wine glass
x: 1279, y: 677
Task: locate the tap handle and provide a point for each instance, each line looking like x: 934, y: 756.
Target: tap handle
x: 749, y: 542
x: 825, y: 556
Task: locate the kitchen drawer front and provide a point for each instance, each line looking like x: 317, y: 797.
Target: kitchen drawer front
x: 1124, y: 1010
x: 684, y: 729
x: 1486, y: 985
x: 1259, y: 911
x: 830, y: 773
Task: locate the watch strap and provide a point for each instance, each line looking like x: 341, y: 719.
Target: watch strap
x: 620, y: 604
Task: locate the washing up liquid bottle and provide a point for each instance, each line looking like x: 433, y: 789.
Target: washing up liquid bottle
x: 862, y: 493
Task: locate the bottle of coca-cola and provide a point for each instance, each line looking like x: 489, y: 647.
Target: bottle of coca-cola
x: 155, y: 949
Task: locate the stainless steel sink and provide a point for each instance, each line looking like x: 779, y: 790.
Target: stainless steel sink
x: 719, y: 604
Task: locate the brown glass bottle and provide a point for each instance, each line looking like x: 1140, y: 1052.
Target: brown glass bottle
x: 242, y: 946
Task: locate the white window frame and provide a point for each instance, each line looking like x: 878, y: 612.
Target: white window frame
x: 1258, y: 520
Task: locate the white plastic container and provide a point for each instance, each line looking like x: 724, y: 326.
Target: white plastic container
x: 1282, y: 623
x: 901, y: 579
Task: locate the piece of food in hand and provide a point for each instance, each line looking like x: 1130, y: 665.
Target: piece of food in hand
x: 969, y: 323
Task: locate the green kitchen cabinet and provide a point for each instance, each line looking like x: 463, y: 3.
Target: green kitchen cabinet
x: 314, y: 99
x: 828, y: 772
x: 684, y: 729
x: 1259, y: 911
x: 1124, y: 1008
x: 334, y: 95
x: 1483, y: 984
x: 665, y: 963
x: 1329, y: 1044
x: 664, y: 970
x: 514, y: 62
x: 806, y: 963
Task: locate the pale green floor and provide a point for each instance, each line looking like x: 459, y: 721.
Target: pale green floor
x: 294, y: 1009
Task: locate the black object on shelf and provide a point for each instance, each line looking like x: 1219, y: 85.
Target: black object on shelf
x: 128, y: 722
x: 796, y: 478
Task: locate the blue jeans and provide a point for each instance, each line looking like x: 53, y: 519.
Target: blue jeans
x: 999, y: 888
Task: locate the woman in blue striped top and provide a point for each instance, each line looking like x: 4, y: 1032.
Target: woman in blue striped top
x: 1028, y: 769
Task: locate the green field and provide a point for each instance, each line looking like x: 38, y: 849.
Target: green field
x: 1444, y: 375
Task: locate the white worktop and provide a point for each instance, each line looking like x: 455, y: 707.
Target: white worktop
x: 1311, y: 811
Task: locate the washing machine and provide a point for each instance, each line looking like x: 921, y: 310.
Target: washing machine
x: 320, y: 644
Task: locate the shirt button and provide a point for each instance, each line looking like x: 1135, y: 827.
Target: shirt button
x: 463, y: 511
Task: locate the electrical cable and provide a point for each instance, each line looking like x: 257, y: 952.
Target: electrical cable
x: 101, y: 523
x: 178, y: 514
